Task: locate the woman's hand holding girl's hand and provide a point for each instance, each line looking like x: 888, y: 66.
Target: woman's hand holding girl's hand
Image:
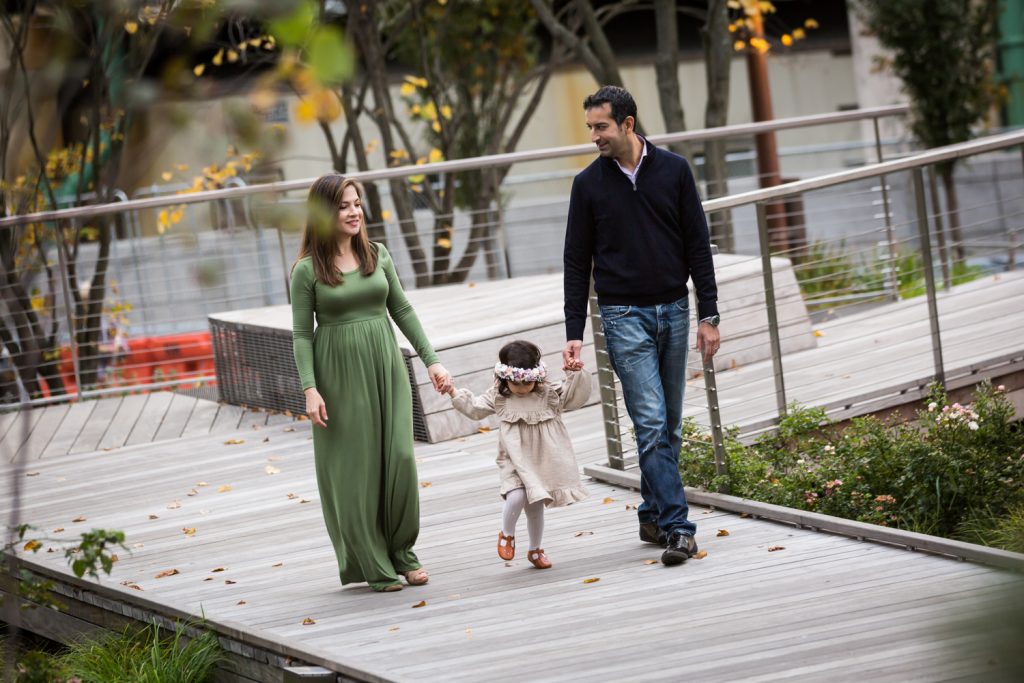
x: 316, y: 409
x: 440, y: 378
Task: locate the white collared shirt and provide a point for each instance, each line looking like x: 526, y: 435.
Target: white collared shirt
x: 632, y: 174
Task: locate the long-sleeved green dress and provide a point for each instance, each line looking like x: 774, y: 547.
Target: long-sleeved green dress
x: 365, y: 467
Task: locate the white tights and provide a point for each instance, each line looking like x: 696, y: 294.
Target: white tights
x: 515, y: 501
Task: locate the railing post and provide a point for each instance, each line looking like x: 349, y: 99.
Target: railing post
x: 284, y: 267
x: 929, y: 273
x: 890, y: 234
x: 715, y: 418
x: 769, y: 300
x: 69, y: 304
x: 606, y: 385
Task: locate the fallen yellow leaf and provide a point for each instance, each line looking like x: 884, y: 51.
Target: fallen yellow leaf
x: 33, y: 546
x: 723, y: 532
x: 78, y: 519
x: 58, y: 530
x: 166, y: 572
x: 240, y: 602
x: 193, y: 492
x: 233, y: 442
x: 303, y: 501
x: 584, y: 533
x: 700, y: 554
x: 230, y: 581
x: 154, y: 517
x: 189, y: 530
x: 607, y: 500
x: 208, y: 578
x: 650, y: 562
x: 592, y: 580
x: 201, y: 483
x: 270, y: 469
x: 421, y: 603
x: 393, y: 629
x: 224, y: 489
x: 630, y: 506
x: 308, y: 621
x: 484, y: 430
x: 292, y: 496
x: 279, y: 564
x: 219, y: 569
x: 289, y: 429
x: 31, y: 474
x: 425, y: 484
x: 773, y: 548
x: 175, y: 504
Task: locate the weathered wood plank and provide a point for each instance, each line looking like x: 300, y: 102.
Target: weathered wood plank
x: 44, y: 430
x: 70, y: 429
x: 177, y: 416
x: 124, y: 421
x: 150, y: 418
x: 228, y: 419
x: 201, y: 419
x: 103, y: 412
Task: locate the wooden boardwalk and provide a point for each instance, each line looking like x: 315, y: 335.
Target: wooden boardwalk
x: 109, y: 423
x: 258, y: 564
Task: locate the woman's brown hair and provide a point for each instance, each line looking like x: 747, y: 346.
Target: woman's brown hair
x: 319, y: 240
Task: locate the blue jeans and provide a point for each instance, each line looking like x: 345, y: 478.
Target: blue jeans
x: 647, y: 346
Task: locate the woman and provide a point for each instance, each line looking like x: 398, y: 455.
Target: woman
x: 357, y: 388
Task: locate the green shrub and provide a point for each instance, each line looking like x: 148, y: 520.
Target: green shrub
x: 957, y: 470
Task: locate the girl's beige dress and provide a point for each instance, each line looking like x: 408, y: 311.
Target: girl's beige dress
x: 534, y: 449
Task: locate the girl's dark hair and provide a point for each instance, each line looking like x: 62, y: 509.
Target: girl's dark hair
x: 518, y: 354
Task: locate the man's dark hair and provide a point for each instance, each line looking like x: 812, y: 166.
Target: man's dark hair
x: 518, y: 354
x: 622, y: 102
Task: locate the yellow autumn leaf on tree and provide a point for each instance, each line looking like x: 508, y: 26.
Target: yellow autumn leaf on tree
x: 163, y: 221
x: 398, y: 154
x: 305, y: 112
x: 446, y: 111
x: 417, y: 178
x: 444, y: 243
x: 436, y: 155
x: 416, y: 81
x: 799, y: 34
x: 733, y: 4
x: 436, y: 126
x: 232, y: 56
x: 385, y: 215
x: 166, y: 175
x: 810, y: 23
x: 759, y: 44
x: 429, y: 111
x: 198, y: 69
x: 38, y: 303
x: 739, y: 45
x: 787, y: 39
x: 328, y: 105
x: 407, y: 90
x: 218, y: 58
x: 131, y: 27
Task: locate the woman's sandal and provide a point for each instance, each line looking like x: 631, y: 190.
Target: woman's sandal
x: 538, y: 559
x: 390, y: 588
x: 417, y: 577
x: 506, y: 546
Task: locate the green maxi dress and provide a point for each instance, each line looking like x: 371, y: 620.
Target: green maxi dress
x: 365, y: 467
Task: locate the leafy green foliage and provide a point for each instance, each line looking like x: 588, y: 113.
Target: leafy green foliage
x: 943, y: 51
x: 93, y: 552
x: 132, y: 656
x: 945, y: 474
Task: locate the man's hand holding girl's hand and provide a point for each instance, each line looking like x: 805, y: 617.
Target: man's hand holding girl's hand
x: 573, y: 364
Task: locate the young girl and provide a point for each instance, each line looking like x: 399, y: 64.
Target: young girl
x: 535, y: 457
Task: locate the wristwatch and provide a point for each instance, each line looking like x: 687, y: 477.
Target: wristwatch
x: 712, y: 320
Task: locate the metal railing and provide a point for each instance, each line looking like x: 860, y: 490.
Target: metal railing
x: 917, y: 271
x: 166, y: 284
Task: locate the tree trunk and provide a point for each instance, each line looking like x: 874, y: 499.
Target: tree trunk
x: 718, y: 59
x: 365, y: 30
x: 666, y: 69
x: 375, y: 227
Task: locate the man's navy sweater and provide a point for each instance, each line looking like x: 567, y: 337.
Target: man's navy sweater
x: 644, y: 241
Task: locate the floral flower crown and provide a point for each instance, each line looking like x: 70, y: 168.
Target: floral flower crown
x: 514, y: 374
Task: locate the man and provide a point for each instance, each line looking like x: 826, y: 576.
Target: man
x: 636, y: 221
